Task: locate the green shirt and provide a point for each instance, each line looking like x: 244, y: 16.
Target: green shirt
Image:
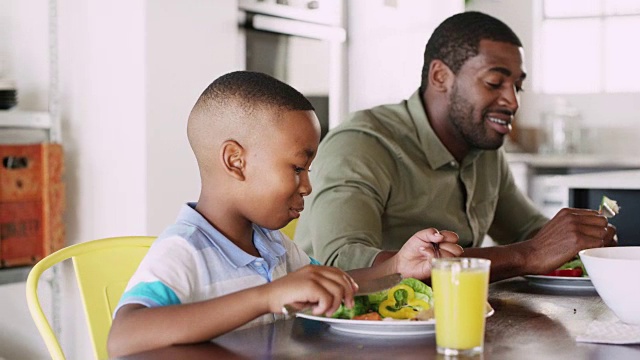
x: 384, y: 175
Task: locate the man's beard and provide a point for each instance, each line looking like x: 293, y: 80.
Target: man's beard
x: 476, y: 135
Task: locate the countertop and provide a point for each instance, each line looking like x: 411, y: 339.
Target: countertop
x: 596, y: 161
x: 626, y: 179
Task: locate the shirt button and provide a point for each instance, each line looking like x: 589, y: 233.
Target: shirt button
x: 453, y: 163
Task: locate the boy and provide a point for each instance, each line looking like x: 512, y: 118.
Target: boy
x: 221, y: 266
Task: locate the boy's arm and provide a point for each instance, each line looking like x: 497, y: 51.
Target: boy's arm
x: 137, y: 328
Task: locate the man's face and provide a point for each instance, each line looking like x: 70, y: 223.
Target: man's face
x: 485, y: 95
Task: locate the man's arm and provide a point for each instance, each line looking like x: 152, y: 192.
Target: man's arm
x: 570, y: 231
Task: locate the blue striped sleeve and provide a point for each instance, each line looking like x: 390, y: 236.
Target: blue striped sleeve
x: 150, y: 294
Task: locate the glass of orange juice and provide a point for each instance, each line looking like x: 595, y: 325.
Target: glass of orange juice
x: 460, y: 290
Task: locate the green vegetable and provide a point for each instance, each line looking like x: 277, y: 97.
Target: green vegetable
x: 360, y: 307
x: 371, y: 302
x: 575, y: 263
x: 423, y: 291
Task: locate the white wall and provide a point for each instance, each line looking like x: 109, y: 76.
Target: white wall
x: 189, y: 44
x: 386, y: 44
x: 130, y: 72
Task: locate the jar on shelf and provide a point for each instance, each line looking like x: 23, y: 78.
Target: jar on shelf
x: 561, y: 129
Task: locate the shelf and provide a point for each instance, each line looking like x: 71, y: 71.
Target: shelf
x: 14, y: 275
x: 25, y: 119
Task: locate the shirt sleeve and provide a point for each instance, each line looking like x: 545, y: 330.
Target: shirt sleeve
x: 351, y: 180
x: 166, y: 275
x: 515, y: 216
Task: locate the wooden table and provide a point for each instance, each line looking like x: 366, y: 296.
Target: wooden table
x: 529, y: 323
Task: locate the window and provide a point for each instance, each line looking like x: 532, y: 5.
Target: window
x: 589, y: 46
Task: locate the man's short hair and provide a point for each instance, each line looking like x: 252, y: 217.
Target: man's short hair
x: 458, y: 38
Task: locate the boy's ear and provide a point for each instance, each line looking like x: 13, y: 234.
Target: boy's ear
x: 440, y: 76
x: 233, y: 159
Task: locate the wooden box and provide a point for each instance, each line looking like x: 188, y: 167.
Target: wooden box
x: 32, y: 202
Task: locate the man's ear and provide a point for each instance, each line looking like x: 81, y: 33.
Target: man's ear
x: 440, y: 76
x: 233, y: 158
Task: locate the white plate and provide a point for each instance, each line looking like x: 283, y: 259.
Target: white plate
x: 560, y: 282
x: 384, y: 327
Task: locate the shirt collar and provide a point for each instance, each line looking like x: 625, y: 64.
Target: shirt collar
x: 269, y: 246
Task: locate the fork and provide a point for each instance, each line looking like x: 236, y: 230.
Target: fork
x: 436, y: 250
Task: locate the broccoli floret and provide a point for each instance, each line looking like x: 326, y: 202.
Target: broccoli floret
x: 360, y: 307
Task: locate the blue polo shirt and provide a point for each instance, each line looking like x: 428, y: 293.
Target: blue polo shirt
x: 192, y: 261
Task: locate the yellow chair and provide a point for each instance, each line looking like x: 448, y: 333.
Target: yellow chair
x: 102, y: 268
x: 290, y: 228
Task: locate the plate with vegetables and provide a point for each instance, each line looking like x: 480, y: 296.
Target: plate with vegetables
x: 571, y: 275
x: 404, y: 310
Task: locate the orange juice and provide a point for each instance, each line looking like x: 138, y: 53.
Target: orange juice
x: 460, y: 294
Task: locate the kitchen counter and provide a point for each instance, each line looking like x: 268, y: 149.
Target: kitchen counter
x: 627, y: 179
x: 591, y: 161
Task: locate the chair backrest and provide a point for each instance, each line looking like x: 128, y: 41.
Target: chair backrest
x: 102, y: 268
x: 290, y: 228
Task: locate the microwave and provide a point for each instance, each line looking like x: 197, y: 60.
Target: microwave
x: 586, y: 191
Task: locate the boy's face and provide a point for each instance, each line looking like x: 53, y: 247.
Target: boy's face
x: 277, y: 171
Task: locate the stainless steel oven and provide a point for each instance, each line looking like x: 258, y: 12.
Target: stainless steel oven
x: 300, y: 42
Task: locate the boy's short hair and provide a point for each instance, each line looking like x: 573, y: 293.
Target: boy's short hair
x: 250, y: 89
x: 234, y: 106
x: 457, y: 39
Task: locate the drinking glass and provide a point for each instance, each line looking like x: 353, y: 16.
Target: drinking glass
x: 460, y: 290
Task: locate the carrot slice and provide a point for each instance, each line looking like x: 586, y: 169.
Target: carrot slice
x: 368, y: 316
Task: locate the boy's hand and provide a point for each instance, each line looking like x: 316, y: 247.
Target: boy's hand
x: 322, y: 288
x: 414, y: 258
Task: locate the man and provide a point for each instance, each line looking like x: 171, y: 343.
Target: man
x: 435, y: 160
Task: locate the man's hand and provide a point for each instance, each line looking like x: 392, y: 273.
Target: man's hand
x: 570, y: 231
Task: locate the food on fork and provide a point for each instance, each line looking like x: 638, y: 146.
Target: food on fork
x: 608, y: 207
